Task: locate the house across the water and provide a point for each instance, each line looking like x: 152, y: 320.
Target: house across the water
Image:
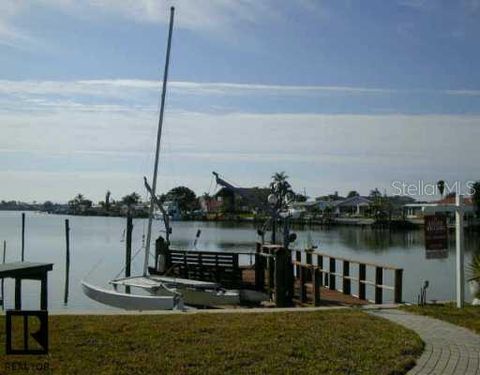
x: 356, y: 206
x: 415, y: 212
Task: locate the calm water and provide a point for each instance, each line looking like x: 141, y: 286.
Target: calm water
x: 97, y: 252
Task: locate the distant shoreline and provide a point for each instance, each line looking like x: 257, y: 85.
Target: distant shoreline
x: 237, y: 218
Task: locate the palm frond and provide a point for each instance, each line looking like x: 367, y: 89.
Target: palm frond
x: 474, y: 268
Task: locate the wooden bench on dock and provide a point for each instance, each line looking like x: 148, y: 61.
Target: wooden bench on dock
x: 220, y: 267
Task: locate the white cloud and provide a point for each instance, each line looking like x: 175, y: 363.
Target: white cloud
x: 117, y: 88
x: 124, y: 88
x: 192, y: 14
x: 417, y: 4
x: 209, y: 16
x: 9, y: 34
x: 56, y: 127
x: 318, y: 147
x: 62, y: 186
x: 463, y: 92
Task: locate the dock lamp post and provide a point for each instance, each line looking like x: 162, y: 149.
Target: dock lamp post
x: 273, y: 201
x: 287, y: 237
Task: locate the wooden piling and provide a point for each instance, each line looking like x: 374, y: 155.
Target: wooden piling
x: 378, y: 285
x: 67, y: 261
x: 320, y: 265
x: 283, y: 278
x: 271, y: 272
x: 362, y: 274
x: 332, y: 284
x: 303, y: 289
x: 128, y: 249
x: 398, y: 280
x: 44, y: 292
x: 200, y: 265
x: 3, y: 281
x: 298, y: 258
x: 259, y: 271
x: 308, y: 254
x: 274, y: 230
x: 309, y: 272
x: 346, y: 277
x: 18, y: 293
x: 23, y: 236
x: 317, y: 282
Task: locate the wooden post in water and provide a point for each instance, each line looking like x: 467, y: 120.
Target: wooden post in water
x: 67, y: 260
x: 128, y: 249
x: 18, y: 293
x: 23, y: 236
x: 3, y: 282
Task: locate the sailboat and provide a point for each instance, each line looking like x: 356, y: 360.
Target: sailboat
x: 162, y: 292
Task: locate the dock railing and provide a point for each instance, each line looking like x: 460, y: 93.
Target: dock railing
x: 279, y: 271
x: 323, y: 270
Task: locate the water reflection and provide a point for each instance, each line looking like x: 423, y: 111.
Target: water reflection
x: 97, y: 251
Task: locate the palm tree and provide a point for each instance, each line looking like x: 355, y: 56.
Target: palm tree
x: 475, y: 191
x: 79, y: 203
x: 352, y: 194
x: 441, y: 187
x: 107, y: 200
x: 375, y: 194
x: 79, y: 198
x: 280, y: 186
x: 131, y: 199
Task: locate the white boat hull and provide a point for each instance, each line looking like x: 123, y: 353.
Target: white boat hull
x: 196, y: 297
x: 193, y: 292
x: 133, y: 301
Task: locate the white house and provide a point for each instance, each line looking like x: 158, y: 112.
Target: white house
x: 353, y: 206
x: 415, y: 212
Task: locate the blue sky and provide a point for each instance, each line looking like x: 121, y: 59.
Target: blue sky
x: 340, y: 94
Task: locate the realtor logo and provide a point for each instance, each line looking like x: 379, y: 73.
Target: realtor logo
x: 27, y: 332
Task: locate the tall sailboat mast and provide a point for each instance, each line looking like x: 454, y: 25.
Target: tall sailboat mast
x: 157, y: 149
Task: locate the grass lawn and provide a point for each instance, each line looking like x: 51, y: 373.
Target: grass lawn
x: 468, y: 317
x: 322, y: 342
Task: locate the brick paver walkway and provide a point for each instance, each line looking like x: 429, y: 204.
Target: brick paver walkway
x: 449, y: 349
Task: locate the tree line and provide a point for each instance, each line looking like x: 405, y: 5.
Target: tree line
x: 187, y: 201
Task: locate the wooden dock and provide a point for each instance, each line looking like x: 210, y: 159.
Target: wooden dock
x: 27, y: 271
x: 293, y: 277
x: 327, y: 297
